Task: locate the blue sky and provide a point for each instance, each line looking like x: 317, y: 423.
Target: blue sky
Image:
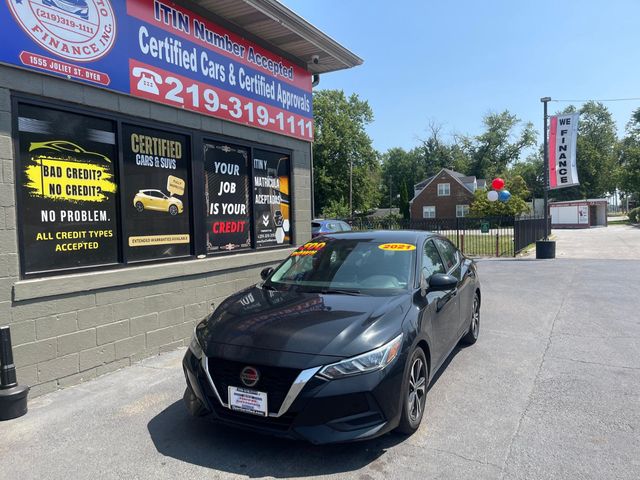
x: 454, y: 61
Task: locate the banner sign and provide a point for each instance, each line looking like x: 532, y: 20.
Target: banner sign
x: 271, y: 202
x: 161, y: 52
x: 67, y: 190
x: 156, y: 197
x: 563, y: 135
x: 227, y: 197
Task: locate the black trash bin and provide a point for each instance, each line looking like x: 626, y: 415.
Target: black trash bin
x: 545, y: 249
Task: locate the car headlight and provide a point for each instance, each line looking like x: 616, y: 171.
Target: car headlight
x: 195, y: 347
x: 367, y: 362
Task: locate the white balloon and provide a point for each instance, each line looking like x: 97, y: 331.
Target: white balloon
x: 492, y: 196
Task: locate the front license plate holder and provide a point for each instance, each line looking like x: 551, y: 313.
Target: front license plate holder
x: 248, y: 401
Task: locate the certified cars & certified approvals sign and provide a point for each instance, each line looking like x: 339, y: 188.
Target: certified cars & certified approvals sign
x: 78, y: 30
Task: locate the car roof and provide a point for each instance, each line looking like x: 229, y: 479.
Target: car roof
x: 398, y: 236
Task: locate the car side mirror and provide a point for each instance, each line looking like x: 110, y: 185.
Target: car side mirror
x: 266, y: 272
x: 440, y: 281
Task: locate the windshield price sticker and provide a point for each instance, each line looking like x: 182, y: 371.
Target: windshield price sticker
x: 309, y: 249
x: 400, y: 247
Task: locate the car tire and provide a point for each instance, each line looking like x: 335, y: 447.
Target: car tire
x: 139, y: 206
x: 474, y: 324
x: 173, y: 210
x: 414, y: 394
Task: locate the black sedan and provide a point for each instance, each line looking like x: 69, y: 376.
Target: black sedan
x: 340, y: 341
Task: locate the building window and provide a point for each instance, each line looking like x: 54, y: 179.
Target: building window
x: 444, y: 189
x: 462, y: 210
x: 429, y: 212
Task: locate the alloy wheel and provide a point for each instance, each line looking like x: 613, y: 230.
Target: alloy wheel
x: 417, y: 390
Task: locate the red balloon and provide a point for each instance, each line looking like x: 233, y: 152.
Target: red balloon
x: 497, y: 183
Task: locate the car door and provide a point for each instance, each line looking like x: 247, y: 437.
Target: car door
x: 439, y: 309
x: 454, y: 265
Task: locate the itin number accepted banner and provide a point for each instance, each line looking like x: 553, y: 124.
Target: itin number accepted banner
x: 161, y: 52
x: 563, y: 135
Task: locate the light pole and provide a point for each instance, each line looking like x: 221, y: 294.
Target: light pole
x: 546, y: 248
x: 546, y: 100
x: 351, y: 188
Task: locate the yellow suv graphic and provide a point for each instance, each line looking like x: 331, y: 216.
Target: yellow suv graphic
x: 156, y: 200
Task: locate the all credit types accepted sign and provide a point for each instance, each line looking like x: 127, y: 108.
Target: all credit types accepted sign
x: 161, y: 52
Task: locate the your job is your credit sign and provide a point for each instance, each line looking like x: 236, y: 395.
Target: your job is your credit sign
x: 563, y: 134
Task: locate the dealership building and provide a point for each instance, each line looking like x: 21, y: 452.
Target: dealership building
x: 155, y: 157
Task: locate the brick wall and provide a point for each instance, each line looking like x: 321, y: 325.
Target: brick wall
x: 69, y: 329
x: 446, y: 205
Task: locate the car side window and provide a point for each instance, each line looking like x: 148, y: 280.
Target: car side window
x: 449, y: 253
x: 431, y: 261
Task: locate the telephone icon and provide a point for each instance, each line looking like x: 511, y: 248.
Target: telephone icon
x: 149, y: 80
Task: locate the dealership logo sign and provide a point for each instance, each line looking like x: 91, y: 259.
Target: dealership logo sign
x: 249, y: 376
x: 79, y: 30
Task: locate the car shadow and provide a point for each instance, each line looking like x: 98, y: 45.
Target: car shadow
x: 202, y: 442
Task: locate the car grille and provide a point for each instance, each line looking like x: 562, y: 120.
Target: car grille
x: 275, y: 381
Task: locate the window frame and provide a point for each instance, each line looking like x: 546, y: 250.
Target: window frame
x: 429, y: 206
x: 457, y: 258
x: 448, y: 189
x: 424, y: 246
x: 465, y: 211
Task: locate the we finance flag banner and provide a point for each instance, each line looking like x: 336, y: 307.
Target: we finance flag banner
x: 563, y: 135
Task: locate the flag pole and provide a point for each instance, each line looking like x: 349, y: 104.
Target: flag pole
x: 546, y: 100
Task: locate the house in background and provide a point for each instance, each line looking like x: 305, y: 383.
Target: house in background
x: 448, y: 194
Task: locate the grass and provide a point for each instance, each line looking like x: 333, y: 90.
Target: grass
x: 619, y: 222
x: 484, y: 244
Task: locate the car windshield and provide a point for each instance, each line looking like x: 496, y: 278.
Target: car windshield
x: 347, y: 266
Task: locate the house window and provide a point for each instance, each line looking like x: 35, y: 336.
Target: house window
x: 444, y: 189
x: 462, y: 210
x: 429, y: 212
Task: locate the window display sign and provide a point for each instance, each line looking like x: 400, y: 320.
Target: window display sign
x: 156, y: 213
x: 227, y: 197
x: 271, y: 203
x: 163, y: 52
x: 66, y: 190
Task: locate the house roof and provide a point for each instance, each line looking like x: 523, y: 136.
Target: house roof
x: 459, y: 177
x: 289, y: 34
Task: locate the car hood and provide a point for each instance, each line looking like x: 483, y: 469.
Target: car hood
x: 335, y: 325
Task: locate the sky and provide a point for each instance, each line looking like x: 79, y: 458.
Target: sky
x: 452, y: 62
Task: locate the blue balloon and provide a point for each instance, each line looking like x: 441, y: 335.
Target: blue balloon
x: 504, y: 195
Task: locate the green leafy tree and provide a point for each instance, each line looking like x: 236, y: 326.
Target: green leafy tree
x: 399, y: 168
x: 516, y: 205
x: 500, y: 145
x: 596, y: 157
x: 336, y: 209
x: 404, y: 201
x: 629, y: 157
x: 532, y: 172
x: 341, y: 139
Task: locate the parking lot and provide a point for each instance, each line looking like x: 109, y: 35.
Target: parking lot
x: 550, y: 390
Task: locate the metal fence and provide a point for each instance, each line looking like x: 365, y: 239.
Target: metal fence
x: 486, y: 236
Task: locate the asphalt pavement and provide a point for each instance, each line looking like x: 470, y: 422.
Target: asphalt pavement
x: 551, y: 390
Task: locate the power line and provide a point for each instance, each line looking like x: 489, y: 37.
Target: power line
x: 599, y: 100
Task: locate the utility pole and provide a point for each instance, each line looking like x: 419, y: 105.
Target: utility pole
x: 546, y: 100
x: 390, y: 186
x: 351, y: 188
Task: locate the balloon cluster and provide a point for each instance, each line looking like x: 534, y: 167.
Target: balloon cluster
x: 498, y: 192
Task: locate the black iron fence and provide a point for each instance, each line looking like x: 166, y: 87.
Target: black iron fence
x: 487, y: 236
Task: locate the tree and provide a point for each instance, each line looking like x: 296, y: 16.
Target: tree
x: 404, y: 201
x: 341, y: 139
x: 595, y: 154
x: 499, y: 146
x: 532, y: 172
x: 482, y: 207
x: 399, y: 168
x: 629, y: 157
x: 435, y: 153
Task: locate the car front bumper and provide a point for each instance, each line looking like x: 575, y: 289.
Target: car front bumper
x: 350, y: 409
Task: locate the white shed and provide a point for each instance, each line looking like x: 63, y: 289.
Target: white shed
x: 579, y: 213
